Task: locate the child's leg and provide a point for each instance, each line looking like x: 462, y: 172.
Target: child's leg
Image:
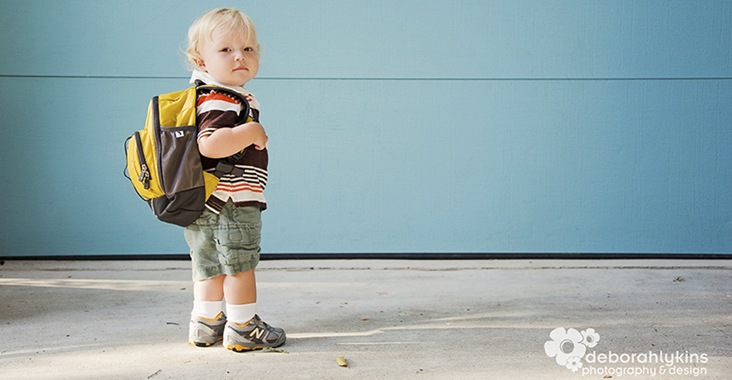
x: 240, y: 291
x: 207, y: 297
x: 210, y: 289
x: 240, y: 288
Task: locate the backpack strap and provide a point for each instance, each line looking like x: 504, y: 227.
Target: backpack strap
x: 228, y: 165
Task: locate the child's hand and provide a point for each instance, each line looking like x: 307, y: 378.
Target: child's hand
x: 262, y: 147
x: 261, y: 138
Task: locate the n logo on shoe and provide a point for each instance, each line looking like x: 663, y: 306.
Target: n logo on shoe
x: 257, y: 332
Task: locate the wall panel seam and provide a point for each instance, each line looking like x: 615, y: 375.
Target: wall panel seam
x: 378, y: 79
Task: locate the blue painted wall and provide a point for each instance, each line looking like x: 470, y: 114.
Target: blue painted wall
x: 410, y: 126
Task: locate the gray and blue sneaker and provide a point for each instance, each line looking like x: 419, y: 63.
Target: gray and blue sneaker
x: 254, y: 335
x: 203, y: 332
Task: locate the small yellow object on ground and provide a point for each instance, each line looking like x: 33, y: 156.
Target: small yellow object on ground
x: 342, y: 361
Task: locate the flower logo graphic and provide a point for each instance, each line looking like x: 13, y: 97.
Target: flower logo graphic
x: 568, y: 347
x: 574, y: 363
x: 590, y: 338
x: 564, y: 345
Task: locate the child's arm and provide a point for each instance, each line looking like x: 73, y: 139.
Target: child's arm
x: 225, y: 142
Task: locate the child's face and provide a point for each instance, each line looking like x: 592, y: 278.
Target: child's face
x: 230, y: 57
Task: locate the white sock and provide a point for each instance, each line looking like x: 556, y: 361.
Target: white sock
x: 207, y: 309
x: 240, y: 314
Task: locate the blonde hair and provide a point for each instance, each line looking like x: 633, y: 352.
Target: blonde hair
x: 205, y: 25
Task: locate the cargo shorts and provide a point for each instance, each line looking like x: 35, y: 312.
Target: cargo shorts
x: 227, y: 243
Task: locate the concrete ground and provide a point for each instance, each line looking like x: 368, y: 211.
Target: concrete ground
x: 482, y: 319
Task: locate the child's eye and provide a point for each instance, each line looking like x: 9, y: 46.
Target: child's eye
x: 248, y: 49
x: 225, y: 50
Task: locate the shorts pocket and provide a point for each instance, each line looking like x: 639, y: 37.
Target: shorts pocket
x: 238, y: 242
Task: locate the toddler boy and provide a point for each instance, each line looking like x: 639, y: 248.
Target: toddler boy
x: 224, y: 241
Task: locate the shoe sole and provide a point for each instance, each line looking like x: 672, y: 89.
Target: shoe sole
x: 240, y: 348
x: 203, y: 344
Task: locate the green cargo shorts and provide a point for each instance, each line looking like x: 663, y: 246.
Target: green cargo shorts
x: 227, y: 243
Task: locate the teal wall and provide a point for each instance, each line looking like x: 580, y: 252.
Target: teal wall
x: 412, y: 126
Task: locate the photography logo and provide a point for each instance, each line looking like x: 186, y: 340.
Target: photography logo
x: 570, y: 349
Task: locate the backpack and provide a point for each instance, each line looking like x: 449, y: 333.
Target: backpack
x: 163, y: 160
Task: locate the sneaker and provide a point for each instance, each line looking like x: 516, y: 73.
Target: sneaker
x: 254, y: 335
x: 204, y: 332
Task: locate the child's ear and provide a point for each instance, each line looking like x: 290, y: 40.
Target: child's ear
x: 200, y: 65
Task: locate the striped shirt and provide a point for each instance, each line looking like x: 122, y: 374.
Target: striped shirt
x: 217, y: 110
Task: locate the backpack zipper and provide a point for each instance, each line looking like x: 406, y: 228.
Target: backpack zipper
x: 144, y: 171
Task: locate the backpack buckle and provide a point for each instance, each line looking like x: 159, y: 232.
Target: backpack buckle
x: 223, y: 168
x: 226, y: 168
